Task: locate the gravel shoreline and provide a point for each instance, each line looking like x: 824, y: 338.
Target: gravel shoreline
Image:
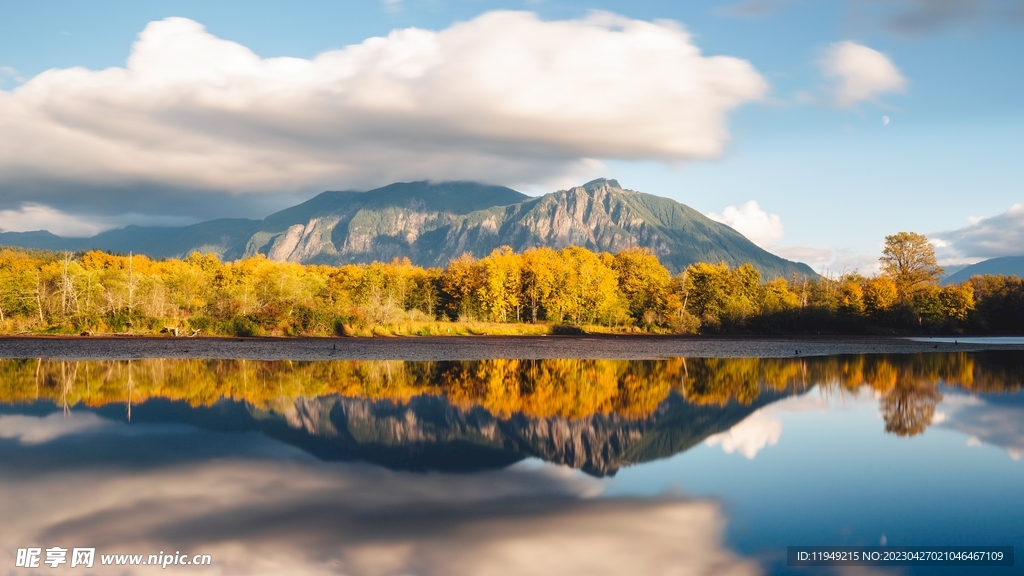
x: 631, y: 347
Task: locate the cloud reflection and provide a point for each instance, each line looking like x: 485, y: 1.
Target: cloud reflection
x: 37, y: 430
x: 748, y: 437
x: 763, y: 428
x: 300, y: 516
x: 986, y: 420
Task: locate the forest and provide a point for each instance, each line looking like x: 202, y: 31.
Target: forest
x: 538, y: 291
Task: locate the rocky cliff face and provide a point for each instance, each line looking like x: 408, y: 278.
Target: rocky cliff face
x: 599, y: 215
x: 394, y: 221
x: 431, y: 223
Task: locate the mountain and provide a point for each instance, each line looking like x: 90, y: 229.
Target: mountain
x: 431, y: 223
x: 1004, y: 266
x: 948, y: 270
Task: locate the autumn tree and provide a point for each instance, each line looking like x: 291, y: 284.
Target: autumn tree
x: 880, y: 294
x: 677, y: 316
x: 644, y: 282
x: 778, y: 297
x: 461, y: 282
x: 707, y: 289
x: 851, y: 294
x: 588, y: 292
x: 999, y: 303
x: 745, y: 294
x: 381, y: 291
x: 957, y: 301
x: 909, y: 260
x: 17, y: 284
x: 501, y: 289
x: 425, y: 291
x: 539, y: 269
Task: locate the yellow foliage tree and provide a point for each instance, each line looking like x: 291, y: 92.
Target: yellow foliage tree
x: 909, y: 260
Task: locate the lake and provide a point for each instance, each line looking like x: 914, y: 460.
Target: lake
x: 579, y: 456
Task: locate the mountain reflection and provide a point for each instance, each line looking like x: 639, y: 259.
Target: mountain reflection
x: 596, y: 415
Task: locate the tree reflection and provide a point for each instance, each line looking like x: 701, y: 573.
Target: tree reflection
x: 570, y: 389
x: 909, y: 407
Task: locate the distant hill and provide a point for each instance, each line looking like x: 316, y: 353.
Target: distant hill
x: 431, y: 223
x: 1005, y: 266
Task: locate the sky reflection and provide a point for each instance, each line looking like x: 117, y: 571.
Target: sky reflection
x: 688, y: 466
x: 297, y: 515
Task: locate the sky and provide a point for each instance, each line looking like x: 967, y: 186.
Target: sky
x: 816, y: 128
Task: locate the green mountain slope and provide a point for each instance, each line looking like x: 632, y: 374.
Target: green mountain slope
x: 431, y: 223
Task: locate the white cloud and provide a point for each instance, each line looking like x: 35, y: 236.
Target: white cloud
x: 504, y: 97
x: 765, y: 230
x: 1001, y: 235
x: 30, y: 217
x: 9, y: 72
x: 847, y: 260
x: 860, y: 73
x: 805, y: 254
x: 38, y: 430
x: 749, y: 219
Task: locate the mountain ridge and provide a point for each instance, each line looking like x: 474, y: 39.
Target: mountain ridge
x: 431, y: 223
x: 1001, y: 266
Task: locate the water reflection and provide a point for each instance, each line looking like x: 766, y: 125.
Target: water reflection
x: 265, y: 515
x: 596, y: 415
x: 362, y: 468
x: 997, y: 420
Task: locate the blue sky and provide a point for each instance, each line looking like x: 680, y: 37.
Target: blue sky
x: 829, y: 176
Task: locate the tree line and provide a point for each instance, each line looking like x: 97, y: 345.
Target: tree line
x: 536, y: 291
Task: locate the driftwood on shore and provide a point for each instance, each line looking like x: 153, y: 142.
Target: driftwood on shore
x: 175, y: 331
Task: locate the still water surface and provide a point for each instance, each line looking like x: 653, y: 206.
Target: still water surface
x: 555, y: 466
